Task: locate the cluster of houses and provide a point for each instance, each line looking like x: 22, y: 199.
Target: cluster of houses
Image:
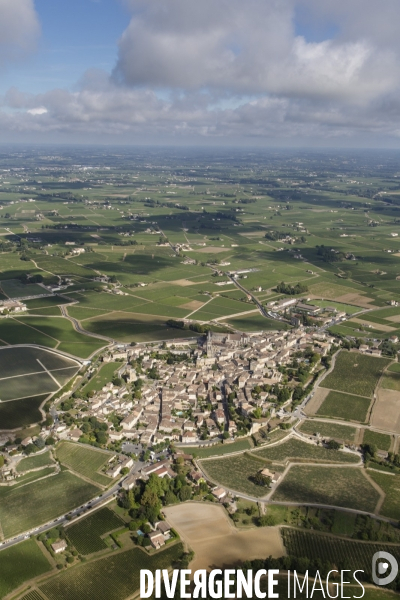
x: 12, y: 306
x: 187, y: 403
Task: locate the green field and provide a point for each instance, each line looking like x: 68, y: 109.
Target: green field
x: 255, y: 322
x: 103, y: 376
x: 34, y: 462
x: 21, y: 413
x: 13, y: 288
x: 115, y: 577
x: 84, y: 460
x: 391, y: 381
x: 355, y: 373
x: 221, y: 449
x: 343, y: 487
x: 344, y: 523
x: 294, y: 450
x: 86, y: 534
x: 394, y: 368
x: 329, y: 430
x: 344, y: 554
x: 345, y: 406
x: 390, y: 484
x: 20, y: 564
x: 25, y: 506
x: 381, y: 440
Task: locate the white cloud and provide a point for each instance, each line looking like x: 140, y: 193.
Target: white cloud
x: 19, y: 29
x: 37, y: 111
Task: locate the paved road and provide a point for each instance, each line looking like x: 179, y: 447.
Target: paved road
x: 80, y: 329
x: 63, y: 520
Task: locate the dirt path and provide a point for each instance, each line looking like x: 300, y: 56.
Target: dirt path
x: 378, y: 489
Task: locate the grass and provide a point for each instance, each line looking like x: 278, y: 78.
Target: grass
x: 34, y: 462
x: 381, y: 440
x: 13, y: 288
x: 355, y: 373
x: 84, y: 460
x: 294, y: 450
x: 394, y: 368
x: 103, y: 376
x: 391, y: 381
x: 21, y: 413
x: 254, y: 322
x: 114, y: 577
x: 221, y: 449
x: 345, y: 406
x: 329, y: 430
x: 343, y: 487
x: 22, y: 387
x: 390, y: 484
x: 234, y: 472
x: 343, y: 523
x: 25, y: 506
x: 86, y: 534
x: 344, y: 554
x: 20, y: 564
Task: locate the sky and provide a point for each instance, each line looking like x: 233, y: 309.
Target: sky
x: 270, y: 73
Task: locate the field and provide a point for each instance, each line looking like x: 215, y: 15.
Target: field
x: 103, y: 376
x: 294, y: 450
x: 386, y: 411
x: 34, y: 462
x: 391, y: 381
x: 329, y: 430
x: 86, y: 534
x: 345, y: 406
x: 13, y: 288
x: 25, y: 506
x: 21, y: 413
x: 344, y: 554
x: 390, y: 484
x: 210, y: 533
x: 355, y: 373
x: 382, y: 441
x: 336, y: 486
x: 19, y: 564
x: 255, y: 322
x: 25, y: 371
x: 114, y: 577
x: 84, y: 461
x: 234, y: 472
x: 220, y: 449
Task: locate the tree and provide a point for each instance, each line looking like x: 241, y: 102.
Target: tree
x: 185, y: 493
x: 333, y: 445
x: 260, y: 479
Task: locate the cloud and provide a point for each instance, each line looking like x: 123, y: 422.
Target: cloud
x: 19, y: 29
x: 251, y: 47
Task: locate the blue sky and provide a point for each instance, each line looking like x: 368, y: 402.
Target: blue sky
x: 260, y: 72
x: 76, y: 35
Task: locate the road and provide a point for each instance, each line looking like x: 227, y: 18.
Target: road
x: 68, y: 518
x: 80, y: 329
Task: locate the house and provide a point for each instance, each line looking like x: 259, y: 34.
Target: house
x: 218, y: 493
x: 273, y: 476
x: 114, y: 471
x: 59, y: 547
x: 157, y: 539
x: 164, y: 527
x: 75, y: 434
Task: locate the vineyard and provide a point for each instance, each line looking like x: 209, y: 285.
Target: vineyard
x: 355, y: 373
x: 115, y: 577
x: 344, y: 554
x: 295, y: 450
x: 84, y: 460
x: 34, y: 595
x: 86, y: 534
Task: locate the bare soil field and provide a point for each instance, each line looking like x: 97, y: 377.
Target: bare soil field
x: 186, y: 282
x: 377, y: 326
x: 207, y: 529
x: 193, y: 305
x: 386, y: 411
x: 394, y: 319
x: 316, y: 401
x: 356, y: 299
